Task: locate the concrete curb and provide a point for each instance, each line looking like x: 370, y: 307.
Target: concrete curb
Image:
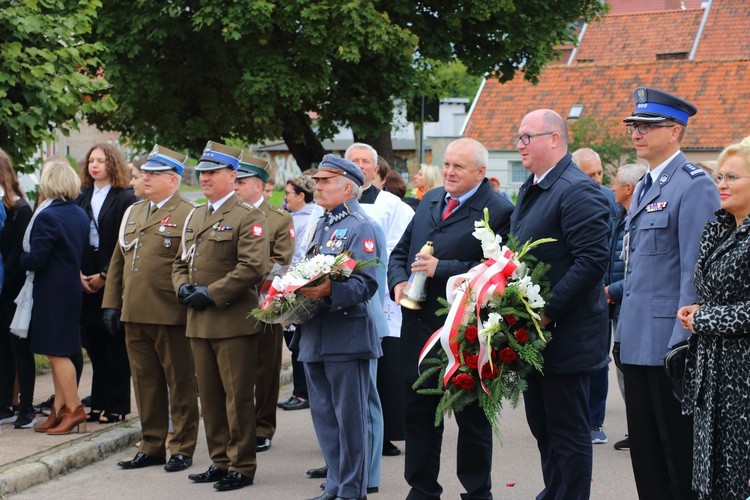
x: 42, y: 467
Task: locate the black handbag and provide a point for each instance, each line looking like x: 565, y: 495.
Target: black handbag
x: 674, y: 366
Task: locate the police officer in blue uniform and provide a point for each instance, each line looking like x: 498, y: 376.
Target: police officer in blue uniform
x: 671, y: 204
x: 337, y: 344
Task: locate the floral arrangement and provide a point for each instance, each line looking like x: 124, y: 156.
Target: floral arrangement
x: 492, y: 337
x: 285, y: 304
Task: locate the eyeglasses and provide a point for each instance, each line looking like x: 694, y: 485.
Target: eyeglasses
x: 526, y: 138
x: 731, y: 177
x: 643, y: 128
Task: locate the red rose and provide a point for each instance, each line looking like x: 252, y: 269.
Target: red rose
x: 488, y: 372
x: 510, y: 319
x: 464, y: 381
x: 471, y: 334
x: 471, y: 360
x: 521, y: 336
x: 508, y: 355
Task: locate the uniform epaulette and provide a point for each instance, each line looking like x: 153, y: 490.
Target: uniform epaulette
x: 244, y: 204
x: 191, y: 202
x: 693, y: 170
x: 141, y: 202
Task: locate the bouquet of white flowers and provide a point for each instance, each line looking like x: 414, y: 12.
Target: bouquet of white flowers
x: 285, y: 304
x: 492, y: 337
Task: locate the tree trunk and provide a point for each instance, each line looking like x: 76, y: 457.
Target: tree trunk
x: 302, y: 141
x: 381, y: 142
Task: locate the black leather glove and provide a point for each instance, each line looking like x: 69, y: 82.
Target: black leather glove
x: 186, y: 289
x: 111, y: 319
x: 199, y: 299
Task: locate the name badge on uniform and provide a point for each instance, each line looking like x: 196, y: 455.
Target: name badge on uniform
x: 656, y: 207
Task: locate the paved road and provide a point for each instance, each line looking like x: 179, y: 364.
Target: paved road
x: 281, y: 470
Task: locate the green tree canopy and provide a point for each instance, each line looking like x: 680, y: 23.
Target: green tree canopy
x: 48, y: 71
x: 185, y: 71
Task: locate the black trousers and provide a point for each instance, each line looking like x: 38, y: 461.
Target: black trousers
x: 558, y: 416
x: 390, y: 380
x: 661, y: 437
x: 15, y: 358
x: 424, y: 440
x: 299, y: 381
x: 110, y: 382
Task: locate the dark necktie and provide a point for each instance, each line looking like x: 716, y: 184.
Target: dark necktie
x: 646, y: 186
x: 151, y: 211
x: 452, y: 204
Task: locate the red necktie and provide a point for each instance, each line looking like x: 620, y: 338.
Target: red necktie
x: 452, y: 204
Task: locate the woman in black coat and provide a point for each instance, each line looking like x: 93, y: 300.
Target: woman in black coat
x: 15, y: 354
x: 104, y: 197
x: 53, y: 246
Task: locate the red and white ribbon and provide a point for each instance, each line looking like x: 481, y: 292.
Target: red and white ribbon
x: 486, y: 278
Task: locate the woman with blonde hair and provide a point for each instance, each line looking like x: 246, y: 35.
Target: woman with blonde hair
x: 428, y: 177
x: 53, y: 245
x: 717, y: 370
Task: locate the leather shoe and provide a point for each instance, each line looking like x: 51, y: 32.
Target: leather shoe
x: 178, y: 462
x: 233, y: 481
x: 372, y: 489
x: 318, y: 473
x: 390, y: 449
x: 325, y: 496
x: 281, y: 404
x: 212, y: 475
x: 141, y: 460
x: 262, y: 444
x: 296, y: 404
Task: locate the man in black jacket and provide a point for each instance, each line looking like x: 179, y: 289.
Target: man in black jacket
x: 559, y: 201
x: 449, y: 225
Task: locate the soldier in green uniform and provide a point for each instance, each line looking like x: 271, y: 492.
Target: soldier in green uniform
x: 139, y: 293
x: 252, y: 176
x: 224, y: 259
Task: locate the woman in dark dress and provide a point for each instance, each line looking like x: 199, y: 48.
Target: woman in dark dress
x: 717, y: 369
x: 104, y: 197
x: 15, y: 355
x: 53, y: 246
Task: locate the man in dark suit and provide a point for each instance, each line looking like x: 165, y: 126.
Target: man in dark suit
x: 670, y: 207
x: 224, y: 259
x: 446, y: 217
x: 559, y: 201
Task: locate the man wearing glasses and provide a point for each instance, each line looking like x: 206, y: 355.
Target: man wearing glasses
x: 559, y: 201
x: 671, y: 204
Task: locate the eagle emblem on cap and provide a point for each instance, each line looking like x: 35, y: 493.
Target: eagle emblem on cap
x: 641, y: 95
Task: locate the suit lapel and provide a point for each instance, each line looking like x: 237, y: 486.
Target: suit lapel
x: 162, y: 212
x: 218, y: 215
x: 109, y: 201
x: 669, y: 171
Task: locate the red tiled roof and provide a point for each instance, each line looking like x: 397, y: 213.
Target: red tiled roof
x: 726, y: 34
x: 632, y: 6
x: 717, y: 88
x: 639, y: 37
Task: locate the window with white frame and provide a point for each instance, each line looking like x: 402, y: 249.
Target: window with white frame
x: 518, y: 174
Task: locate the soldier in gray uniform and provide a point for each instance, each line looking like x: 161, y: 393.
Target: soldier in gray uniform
x: 336, y: 345
x: 671, y: 204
